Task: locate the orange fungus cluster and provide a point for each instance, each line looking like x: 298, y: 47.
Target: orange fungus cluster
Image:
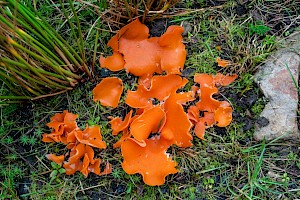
x: 158, y: 119
x: 160, y: 115
x: 214, y: 111
x: 142, y: 56
x: 80, y: 156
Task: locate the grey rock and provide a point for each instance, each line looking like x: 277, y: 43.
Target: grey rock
x: 278, y: 79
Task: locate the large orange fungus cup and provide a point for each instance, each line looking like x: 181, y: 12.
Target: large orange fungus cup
x: 150, y: 161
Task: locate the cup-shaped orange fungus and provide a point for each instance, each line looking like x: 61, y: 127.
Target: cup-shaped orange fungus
x: 144, y: 56
x: 160, y: 89
x: 193, y: 114
x: 222, y: 63
x: 201, y: 123
x: 91, y: 136
x: 145, y: 80
x: 167, y: 119
x: 158, y: 118
x: 209, y: 80
x: 178, y: 125
x: 204, y: 80
x: 151, y: 121
x: 215, y: 112
x: 223, y: 116
x: 74, y: 163
x: 208, y: 89
x: 109, y: 91
x: 116, y: 61
x: 57, y: 159
x: 200, y: 129
x: 118, y: 125
x: 62, y: 124
x: 150, y: 161
x: 163, y: 88
x: 171, y: 42
x: 82, y: 159
x: 125, y: 135
x: 139, y: 98
x: 207, y: 102
x: 224, y: 80
x: 107, y: 169
x: 89, y: 164
x: 81, y: 156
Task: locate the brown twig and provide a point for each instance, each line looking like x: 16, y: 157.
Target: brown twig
x: 52, y: 94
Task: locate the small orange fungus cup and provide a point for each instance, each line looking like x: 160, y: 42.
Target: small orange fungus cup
x: 108, y: 91
x: 222, y: 63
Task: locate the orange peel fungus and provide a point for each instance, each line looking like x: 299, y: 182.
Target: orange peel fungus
x: 109, y: 91
x: 143, y: 56
x: 150, y: 161
x: 222, y: 63
x: 166, y: 119
x: 157, y: 118
x: 215, y: 112
x: 159, y: 107
x: 81, y: 155
x: 62, y: 125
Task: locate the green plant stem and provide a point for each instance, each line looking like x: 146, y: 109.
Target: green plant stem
x: 27, y: 76
x: 24, y: 84
x: 16, y: 55
x: 40, y: 70
x: 24, y: 24
x: 15, y: 97
x: 81, y: 46
x: 70, y: 24
x: 43, y: 29
x: 95, y: 50
x: 32, y: 40
x: 31, y: 20
x: 42, y: 59
x: 4, y: 77
x: 35, y: 56
x: 38, y: 57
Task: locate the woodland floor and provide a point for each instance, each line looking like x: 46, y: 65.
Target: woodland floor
x: 228, y: 165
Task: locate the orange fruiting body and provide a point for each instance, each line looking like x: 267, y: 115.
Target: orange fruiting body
x: 109, y: 91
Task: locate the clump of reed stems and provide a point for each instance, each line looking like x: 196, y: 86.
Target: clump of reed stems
x: 35, y: 61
